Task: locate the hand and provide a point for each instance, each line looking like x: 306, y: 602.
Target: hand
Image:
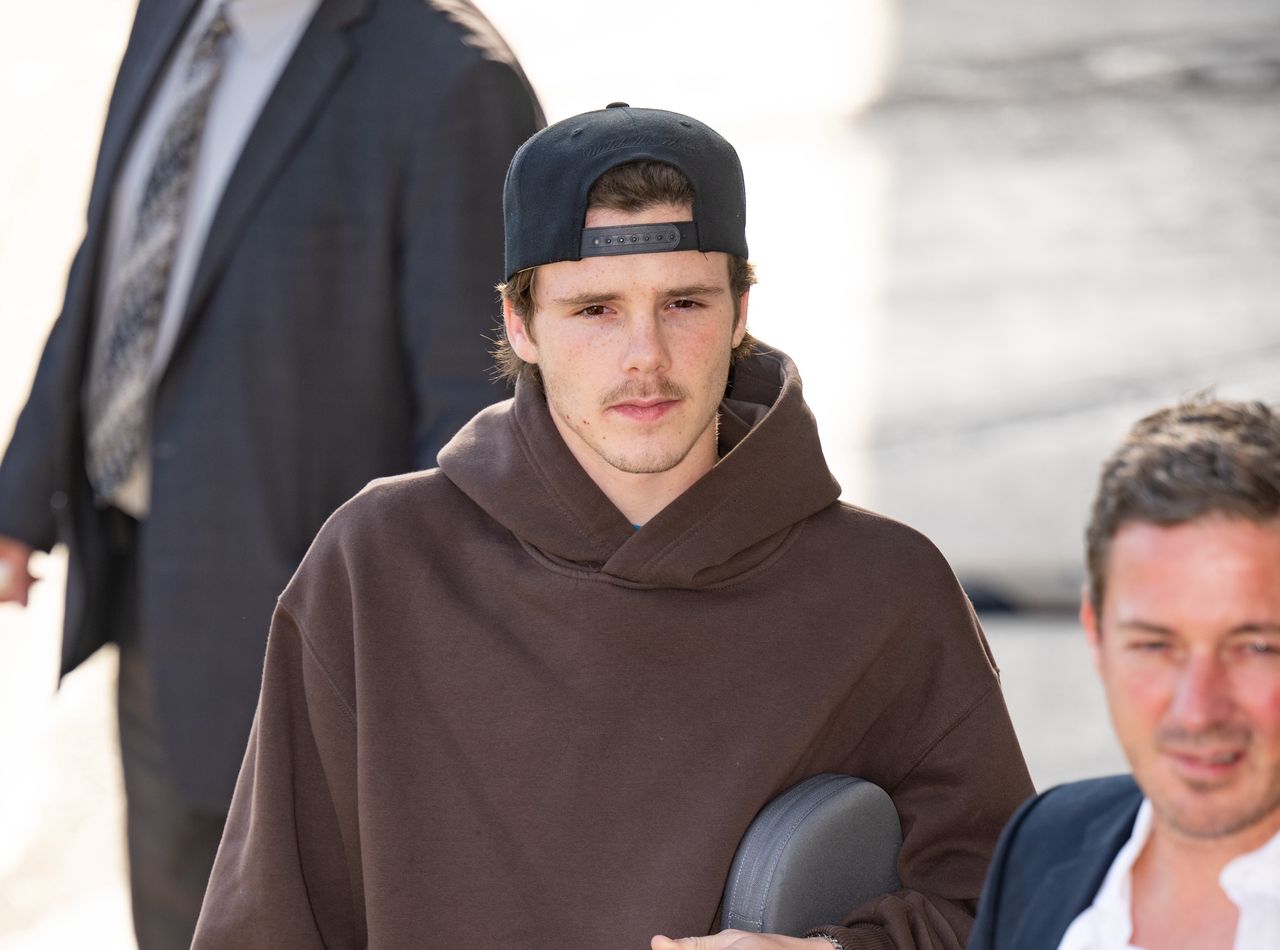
x: 15, y: 575
x: 740, y: 940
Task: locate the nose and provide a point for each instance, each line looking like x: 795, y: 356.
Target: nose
x: 646, y: 345
x: 1203, y: 695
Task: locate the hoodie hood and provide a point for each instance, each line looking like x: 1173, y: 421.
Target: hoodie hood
x: 512, y: 462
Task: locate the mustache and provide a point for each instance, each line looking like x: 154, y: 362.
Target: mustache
x: 1218, y: 734
x: 660, y: 388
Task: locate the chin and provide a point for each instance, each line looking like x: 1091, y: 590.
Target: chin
x: 1197, y: 815
x: 647, y: 464
x: 649, y: 460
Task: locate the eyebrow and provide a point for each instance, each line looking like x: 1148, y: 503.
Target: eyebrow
x: 696, y: 290
x: 1144, y: 626
x: 605, y: 296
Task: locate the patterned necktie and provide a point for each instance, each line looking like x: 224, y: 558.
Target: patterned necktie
x: 118, y: 389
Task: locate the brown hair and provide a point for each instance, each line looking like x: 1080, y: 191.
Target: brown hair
x: 633, y: 186
x: 1202, y: 457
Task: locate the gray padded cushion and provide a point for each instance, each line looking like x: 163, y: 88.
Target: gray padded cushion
x: 812, y: 855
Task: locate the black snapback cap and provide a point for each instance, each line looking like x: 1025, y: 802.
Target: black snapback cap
x: 544, y: 200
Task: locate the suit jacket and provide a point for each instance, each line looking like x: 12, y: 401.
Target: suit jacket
x: 1050, y: 861
x: 335, y: 332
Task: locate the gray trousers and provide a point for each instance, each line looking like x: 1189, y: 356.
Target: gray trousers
x: 171, y: 845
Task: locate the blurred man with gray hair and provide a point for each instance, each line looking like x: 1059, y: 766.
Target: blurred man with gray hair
x: 1182, y: 615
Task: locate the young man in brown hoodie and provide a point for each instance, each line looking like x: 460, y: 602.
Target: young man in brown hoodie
x: 534, y: 697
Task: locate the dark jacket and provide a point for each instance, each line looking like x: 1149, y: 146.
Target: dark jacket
x: 495, y: 715
x: 1051, y: 860
x: 335, y: 332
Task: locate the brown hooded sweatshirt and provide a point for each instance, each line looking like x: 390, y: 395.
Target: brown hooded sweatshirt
x: 495, y: 715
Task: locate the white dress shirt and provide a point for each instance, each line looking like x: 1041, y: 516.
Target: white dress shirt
x: 1251, y: 881
x: 264, y: 36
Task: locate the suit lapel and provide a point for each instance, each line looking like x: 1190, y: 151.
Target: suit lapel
x: 155, y: 42
x: 318, y: 62
x: 1069, y: 887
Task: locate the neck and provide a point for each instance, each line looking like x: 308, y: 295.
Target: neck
x: 1180, y: 865
x: 1200, y: 857
x: 641, y: 495
x: 1178, y: 899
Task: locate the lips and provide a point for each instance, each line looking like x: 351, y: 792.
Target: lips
x: 1206, y: 765
x: 644, y: 410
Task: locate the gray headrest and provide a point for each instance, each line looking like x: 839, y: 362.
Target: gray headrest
x: 812, y: 855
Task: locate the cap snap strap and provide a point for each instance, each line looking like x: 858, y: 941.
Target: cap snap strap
x: 639, y: 238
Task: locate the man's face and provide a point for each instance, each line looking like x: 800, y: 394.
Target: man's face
x: 1188, y: 649
x: 634, y: 352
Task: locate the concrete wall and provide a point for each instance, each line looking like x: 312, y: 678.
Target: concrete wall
x: 1084, y: 223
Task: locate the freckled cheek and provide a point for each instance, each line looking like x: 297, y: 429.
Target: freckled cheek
x: 699, y: 354
x: 706, y: 337
x: 584, y: 347
x: 574, y: 362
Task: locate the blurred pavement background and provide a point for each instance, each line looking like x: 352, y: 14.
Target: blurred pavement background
x: 991, y: 234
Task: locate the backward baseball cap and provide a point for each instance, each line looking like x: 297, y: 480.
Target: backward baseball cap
x: 544, y: 200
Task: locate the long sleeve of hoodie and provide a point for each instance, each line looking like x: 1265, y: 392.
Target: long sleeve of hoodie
x: 955, y: 791
x: 949, y: 810
x: 287, y: 875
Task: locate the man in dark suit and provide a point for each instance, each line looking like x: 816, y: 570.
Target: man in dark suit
x: 1182, y: 616
x: 283, y: 292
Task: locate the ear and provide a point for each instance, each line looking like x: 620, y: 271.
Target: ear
x: 740, y: 330
x: 1089, y: 621
x: 518, y: 335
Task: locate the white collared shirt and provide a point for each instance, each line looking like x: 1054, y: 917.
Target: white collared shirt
x: 264, y: 36
x: 1251, y: 881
